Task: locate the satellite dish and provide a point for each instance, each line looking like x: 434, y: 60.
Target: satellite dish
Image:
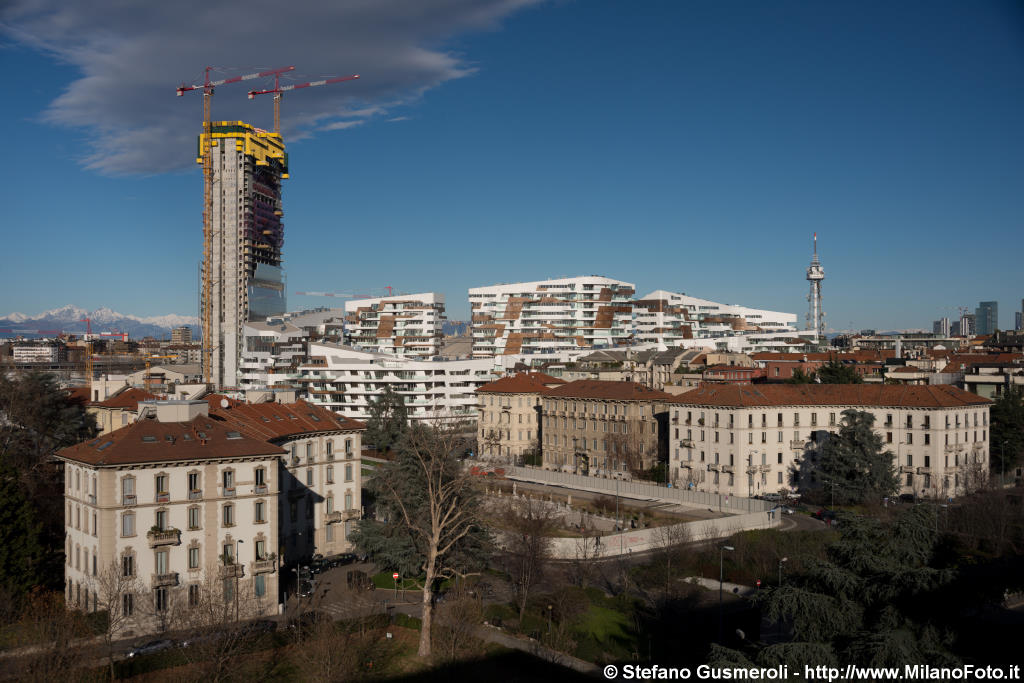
x: 224, y: 403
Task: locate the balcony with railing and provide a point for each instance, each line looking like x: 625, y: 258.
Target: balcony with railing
x: 159, y: 537
x: 260, y: 489
x: 92, y: 499
x: 797, y: 444
x: 163, y: 497
x: 164, y: 580
x: 195, y: 495
x: 232, y: 570
x: 128, y: 499
x: 265, y: 566
x: 229, y: 491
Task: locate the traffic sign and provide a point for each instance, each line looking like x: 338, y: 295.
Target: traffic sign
x: 759, y: 583
x: 395, y: 576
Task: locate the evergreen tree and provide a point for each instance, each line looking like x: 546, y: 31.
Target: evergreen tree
x: 866, y: 604
x: 388, y: 420
x: 1007, y: 414
x: 21, y: 548
x: 801, y: 377
x: 834, y: 372
x: 853, y: 465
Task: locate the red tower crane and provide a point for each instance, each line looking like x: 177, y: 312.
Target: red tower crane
x: 207, y: 293
x: 278, y: 91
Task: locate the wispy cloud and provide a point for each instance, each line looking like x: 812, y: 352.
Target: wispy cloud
x: 398, y: 118
x: 132, y: 56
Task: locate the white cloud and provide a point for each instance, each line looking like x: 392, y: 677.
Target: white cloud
x: 133, y: 55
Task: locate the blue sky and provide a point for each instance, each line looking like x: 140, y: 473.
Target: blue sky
x: 689, y: 146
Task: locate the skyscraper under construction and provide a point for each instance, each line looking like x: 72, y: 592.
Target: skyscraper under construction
x: 243, y: 259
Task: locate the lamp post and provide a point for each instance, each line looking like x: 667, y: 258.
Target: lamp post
x: 721, y: 579
x: 550, y: 607
x: 785, y: 559
x: 238, y: 561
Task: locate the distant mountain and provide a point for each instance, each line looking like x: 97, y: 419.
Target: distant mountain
x: 104, y: 320
x: 454, y: 328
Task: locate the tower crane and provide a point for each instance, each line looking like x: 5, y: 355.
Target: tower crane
x: 278, y: 91
x: 207, y: 87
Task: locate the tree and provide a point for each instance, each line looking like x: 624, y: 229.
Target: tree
x: 388, y: 420
x: 670, y: 541
x: 801, y: 377
x: 459, y: 617
x: 633, y: 448
x: 37, y: 419
x: 21, y: 543
x: 1007, y: 414
x: 431, y: 514
x: 528, y: 546
x: 835, y: 372
x: 852, y: 465
x: 113, y: 590
x: 866, y: 603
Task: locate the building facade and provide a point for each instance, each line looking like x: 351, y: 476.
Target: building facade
x: 750, y: 440
x: 675, y: 319
x: 160, y: 510
x: 408, y: 325
x: 246, y: 276
x: 550, y: 315
x: 986, y: 317
x: 509, y: 424
x: 607, y: 429
x: 346, y: 380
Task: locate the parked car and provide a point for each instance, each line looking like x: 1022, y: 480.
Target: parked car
x: 150, y: 648
x: 305, y: 588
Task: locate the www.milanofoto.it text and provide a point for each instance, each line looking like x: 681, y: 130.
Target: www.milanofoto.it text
x: 850, y: 672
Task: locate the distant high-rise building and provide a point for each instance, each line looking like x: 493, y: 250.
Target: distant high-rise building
x: 965, y: 326
x: 941, y: 326
x: 987, y: 317
x: 181, y: 335
x: 815, y: 314
x: 246, y: 278
x: 1018, y: 321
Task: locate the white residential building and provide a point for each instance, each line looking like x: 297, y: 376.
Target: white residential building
x: 748, y: 440
x: 275, y: 348
x: 346, y: 380
x: 38, y: 353
x: 541, y: 317
x: 674, y: 319
x: 408, y: 325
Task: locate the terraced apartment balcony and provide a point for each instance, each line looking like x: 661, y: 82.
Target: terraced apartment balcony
x: 234, y: 570
x: 159, y: 537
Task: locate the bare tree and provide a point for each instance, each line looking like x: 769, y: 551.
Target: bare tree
x: 670, y: 541
x: 634, y: 448
x: 47, y: 631
x: 588, y: 549
x: 116, y: 593
x: 458, y: 619
x: 435, y: 501
x: 529, y: 524
x: 333, y: 652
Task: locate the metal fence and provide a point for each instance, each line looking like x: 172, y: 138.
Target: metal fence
x: 715, y: 501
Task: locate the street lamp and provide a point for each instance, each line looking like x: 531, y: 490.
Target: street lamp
x: 785, y: 559
x: 550, y: 607
x: 238, y: 561
x: 721, y: 578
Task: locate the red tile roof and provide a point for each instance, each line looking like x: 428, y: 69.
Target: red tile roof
x: 127, y: 399
x: 880, y: 395
x: 151, y: 441
x: 612, y: 391
x: 862, y: 356
x: 522, y: 383
x: 78, y: 395
x: 278, y: 420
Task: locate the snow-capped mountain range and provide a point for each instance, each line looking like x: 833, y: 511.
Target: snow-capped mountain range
x: 71, y: 319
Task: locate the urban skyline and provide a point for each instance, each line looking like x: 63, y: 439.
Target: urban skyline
x: 442, y: 160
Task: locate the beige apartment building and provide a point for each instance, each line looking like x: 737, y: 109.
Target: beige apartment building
x: 601, y: 428
x: 748, y: 440
x: 188, y: 504
x: 509, y: 422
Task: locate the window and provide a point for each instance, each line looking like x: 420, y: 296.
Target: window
x: 348, y: 500
x: 927, y: 461
x: 261, y: 476
x: 927, y: 439
x: 128, y: 565
x: 193, y: 517
x: 780, y: 458
x: 330, y: 449
x: 128, y: 491
x: 764, y: 437
x: 261, y: 550
x: 128, y: 524
x: 193, y: 557
x: 814, y: 419
x: 228, y: 478
x: 309, y: 452
x: 888, y: 437
x: 309, y: 477
x: 161, y: 485
x: 348, y: 472
x: 161, y: 562
x: 229, y: 590
x: 910, y: 438
x: 228, y: 515
x: 329, y: 530
x: 127, y: 604
x: 193, y: 595
x: 330, y: 474
x: 193, y: 481
x: 160, y: 598
x: 259, y: 585
x: 831, y: 419
x: 228, y: 553
x: 780, y: 478
x: 161, y: 520
x: 260, y: 514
